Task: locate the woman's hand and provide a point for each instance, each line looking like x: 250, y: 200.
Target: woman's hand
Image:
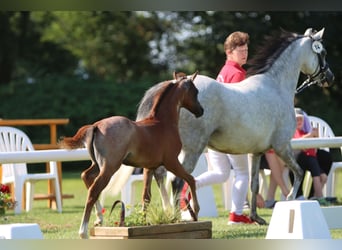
x: 314, y: 132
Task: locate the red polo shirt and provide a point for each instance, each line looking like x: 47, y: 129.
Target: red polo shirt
x: 231, y: 72
x: 309, y: 151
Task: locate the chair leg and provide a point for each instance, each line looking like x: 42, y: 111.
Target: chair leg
x: 58, y: 195
x: 18, y: 194
x: 57, y: 191
x: 29, y: 195
x: 331, y: 182
x: 307, y: 181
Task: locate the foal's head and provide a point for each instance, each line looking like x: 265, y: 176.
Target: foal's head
x: 190, y: 97
x: 149, y: 104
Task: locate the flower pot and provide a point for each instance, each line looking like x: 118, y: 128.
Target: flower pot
x: 183, y: 230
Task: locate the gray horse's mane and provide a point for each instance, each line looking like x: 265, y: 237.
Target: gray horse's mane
x: 270, y: 50
x: 267, y: 53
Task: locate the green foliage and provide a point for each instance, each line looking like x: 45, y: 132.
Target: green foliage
x: 83, y: 102
x: 154, y: 215
x: 106, y: 43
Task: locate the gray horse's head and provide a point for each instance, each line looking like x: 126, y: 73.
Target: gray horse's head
x: 322, y: 75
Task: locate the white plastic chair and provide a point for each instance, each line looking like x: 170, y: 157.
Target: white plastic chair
x: 11, y: 140
x: 324, y: 130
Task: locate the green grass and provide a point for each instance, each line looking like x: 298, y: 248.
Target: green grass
x: 66, y: 224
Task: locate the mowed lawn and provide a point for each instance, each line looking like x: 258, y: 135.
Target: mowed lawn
x: 65, y: 225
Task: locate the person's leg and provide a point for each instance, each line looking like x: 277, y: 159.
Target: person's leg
x: 269, y: 202
x: 220, y: 170
x: 277, y: 167
x: 311, y: 163
x: 220, y: 165
x: 240, y: 189
x: 270, y: 198
x: 316, y: 181
x: 325, y: 161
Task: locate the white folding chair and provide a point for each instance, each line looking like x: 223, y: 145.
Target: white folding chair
x: 324, y: 130
x: 11, y: 140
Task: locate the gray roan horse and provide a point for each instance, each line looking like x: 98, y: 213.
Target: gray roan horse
x: 256, y: 114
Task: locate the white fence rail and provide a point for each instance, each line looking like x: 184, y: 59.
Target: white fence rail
x: 44, y: 156
x: 82, y: 154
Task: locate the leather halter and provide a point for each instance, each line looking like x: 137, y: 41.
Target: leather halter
x: 319, y: 77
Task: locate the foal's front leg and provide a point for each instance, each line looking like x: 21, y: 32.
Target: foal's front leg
x: 178, y: 170
x: 146, y: 196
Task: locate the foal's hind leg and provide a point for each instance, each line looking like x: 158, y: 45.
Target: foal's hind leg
x: 88, y: 176
x: 94, y: 191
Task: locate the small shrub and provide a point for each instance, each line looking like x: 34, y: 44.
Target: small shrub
x: 154, y: 215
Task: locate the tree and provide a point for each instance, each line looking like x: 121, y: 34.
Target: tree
x: 23, y: 54
x: 108, y: 44
x: 8, y: 47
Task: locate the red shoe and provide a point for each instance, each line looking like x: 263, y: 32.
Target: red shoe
x: 239, y: 219
x: 185, y: 194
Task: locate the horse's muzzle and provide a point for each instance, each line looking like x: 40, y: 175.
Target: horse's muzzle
x: 199, y: 112
x: 326, y: 78
x: 329, y: 76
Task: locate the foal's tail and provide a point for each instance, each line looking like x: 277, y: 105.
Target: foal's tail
x: 81, y: 139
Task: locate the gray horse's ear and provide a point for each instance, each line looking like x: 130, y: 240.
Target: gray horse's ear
x: 308, y: 32
x: 318, y: 35
x: 193, y: 76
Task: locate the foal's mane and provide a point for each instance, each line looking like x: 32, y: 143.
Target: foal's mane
x: 270, y: 50
x: 158, y: 96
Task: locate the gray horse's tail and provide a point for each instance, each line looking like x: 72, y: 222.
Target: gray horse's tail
x: 118, y: 181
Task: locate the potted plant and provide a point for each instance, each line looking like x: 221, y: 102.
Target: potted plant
x: 153, y: 223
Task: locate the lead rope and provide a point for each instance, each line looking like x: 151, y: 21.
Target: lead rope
x: 304, y: 85
x: 191, y: 211
x: 122, y: 212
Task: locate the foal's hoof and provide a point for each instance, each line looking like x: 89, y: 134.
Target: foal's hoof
x: 98, y: 223
x: 83, y: 235
x: 258, y: 219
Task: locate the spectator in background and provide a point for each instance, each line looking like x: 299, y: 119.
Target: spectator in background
x: 317, y: 161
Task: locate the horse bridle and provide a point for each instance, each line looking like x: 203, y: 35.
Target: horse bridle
x: 320, y: 75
